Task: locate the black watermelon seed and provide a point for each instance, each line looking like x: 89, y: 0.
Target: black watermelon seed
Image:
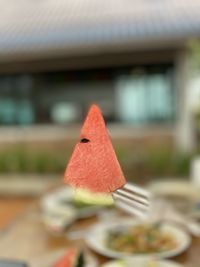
x: 85, y: 140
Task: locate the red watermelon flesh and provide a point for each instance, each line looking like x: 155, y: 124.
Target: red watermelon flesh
x: 68, y: 260
x: 94, y: 165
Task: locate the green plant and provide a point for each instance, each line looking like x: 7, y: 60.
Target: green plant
x: 194, y: 49
x: 156, y: 161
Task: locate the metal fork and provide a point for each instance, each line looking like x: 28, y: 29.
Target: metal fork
x: 133, y: 199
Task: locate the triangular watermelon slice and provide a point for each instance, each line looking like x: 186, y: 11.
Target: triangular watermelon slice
x: 68, y: 259
x: 94, y: 165
x: 72, y: 258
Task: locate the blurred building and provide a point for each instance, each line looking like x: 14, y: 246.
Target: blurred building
x: 130, y: 57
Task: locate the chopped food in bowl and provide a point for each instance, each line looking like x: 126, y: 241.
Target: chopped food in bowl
x: 144, y: 238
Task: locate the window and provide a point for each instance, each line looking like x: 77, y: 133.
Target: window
x: 127, y: 95
x: 145, y: 98
x: 16, y: 106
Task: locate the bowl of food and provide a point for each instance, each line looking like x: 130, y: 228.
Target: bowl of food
x: 141, y: 262
x: 128, y: 238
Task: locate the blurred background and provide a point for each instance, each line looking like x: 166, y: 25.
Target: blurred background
x: 138, y: 60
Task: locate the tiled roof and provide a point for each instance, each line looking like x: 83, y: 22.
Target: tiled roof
x: 43, y: 27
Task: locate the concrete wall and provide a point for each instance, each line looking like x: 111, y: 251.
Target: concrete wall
x: 44, y: 137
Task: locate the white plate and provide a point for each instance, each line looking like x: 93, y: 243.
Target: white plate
x: 96, y: 239
x: 141, y: 262
x: 57, y: 200
x: 176, y: 188
x: 61, y: 199
x: 58, y: 221
x: 50, y: 259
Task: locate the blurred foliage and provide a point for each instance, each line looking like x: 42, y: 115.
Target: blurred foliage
x: 22, y: 160
x: 155, y: 162
x: 194, y: 49
x: 137, y: 164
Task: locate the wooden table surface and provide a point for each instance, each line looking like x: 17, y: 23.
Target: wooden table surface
x: 27, y: 239
x: 10, y: 208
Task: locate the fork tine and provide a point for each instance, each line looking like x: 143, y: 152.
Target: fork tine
x: 132, y: 196
x: 137, y: 190
x: 130, y: 210
x: 133, y: 199
x: 130, y: 202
